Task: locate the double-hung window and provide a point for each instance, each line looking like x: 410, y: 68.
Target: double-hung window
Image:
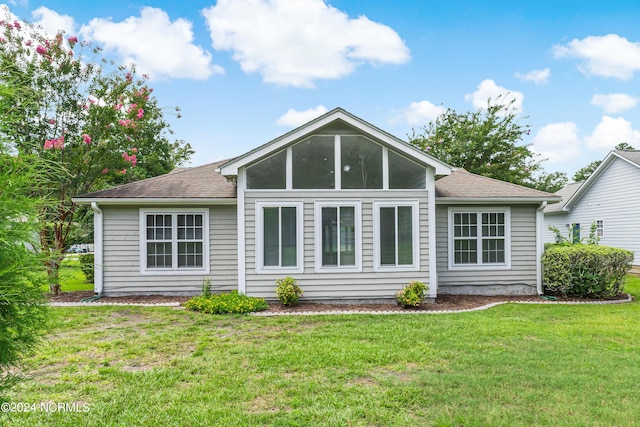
x: 338, y: 236
x: 479, y: 238
x: 279, y: 238
x: 174, y: 241
x: 396, y: 230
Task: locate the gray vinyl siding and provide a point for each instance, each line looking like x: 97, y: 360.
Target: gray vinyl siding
x: 520, y: 278
x: 122, y: 255
x: 366, y: 284
x: 614, y: 198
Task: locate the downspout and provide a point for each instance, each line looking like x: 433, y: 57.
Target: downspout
x: 98, y: 271
x: 539, y: 244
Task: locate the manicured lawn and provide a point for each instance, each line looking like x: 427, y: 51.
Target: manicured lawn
x: 71, y: 276
x: 510, y: 365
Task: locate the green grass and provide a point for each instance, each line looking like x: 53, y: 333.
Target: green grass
x: 71, y: 276
x: 511, y: 365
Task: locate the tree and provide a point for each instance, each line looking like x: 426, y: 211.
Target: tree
x: 23, y: 311
x: 550, y: 182
x: 484, y: 142
x: 99, y: 121
x: 584, y: 173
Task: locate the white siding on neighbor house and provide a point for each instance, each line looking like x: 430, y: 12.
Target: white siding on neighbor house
x: 614, y: 198
x: 519, y: 279
x: 366, y: 284
x: 122, y: 255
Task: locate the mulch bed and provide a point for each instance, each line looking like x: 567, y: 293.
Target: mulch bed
x: 443, y: 302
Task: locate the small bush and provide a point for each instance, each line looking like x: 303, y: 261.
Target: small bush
x: 231, y: 303
x: 86, y: 265
x: 586, y: 271
x: 412, y: 294
x: 288, y: 291
x: 206, y: 287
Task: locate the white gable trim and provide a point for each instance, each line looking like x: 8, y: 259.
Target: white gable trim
x: 611, y: 157
x: 231, y: 168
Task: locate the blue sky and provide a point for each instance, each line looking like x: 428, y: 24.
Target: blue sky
x: 246, y: 71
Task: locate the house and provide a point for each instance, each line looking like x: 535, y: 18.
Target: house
x: 350, y: 211
x: 609, y: 198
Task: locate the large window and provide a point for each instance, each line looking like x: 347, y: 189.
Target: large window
x: 361, y: 163
x: 479, y: 238
x: 172, y: 241
x: 279, y: 237
x: 404, y: 173
x: 396, y: 235
x: 268, y: 173
x: 314, y: 163
x: 338, y: 241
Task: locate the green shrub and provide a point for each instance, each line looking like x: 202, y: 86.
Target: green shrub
x: 231, y: 303
x: 586, y: 271
x: 412, y: 294
x: 206, y: 287
x: 288, y: 291
x: 86, y: 265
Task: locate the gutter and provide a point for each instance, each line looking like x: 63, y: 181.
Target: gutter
x: 539, y: 244
x: 98, y: 249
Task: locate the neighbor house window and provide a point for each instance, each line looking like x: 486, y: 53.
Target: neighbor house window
x: 599, y: 228
x: 279, y: 237
x: 338, y: 236
x: 396, y: 235
x: 479, y: 238
x: 172, y: 241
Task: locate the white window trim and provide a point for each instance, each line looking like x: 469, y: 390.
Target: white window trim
x: 415, y: 216
x: 599, y: 228
x: 174, y: 270
x: 259, y: 239
x: 479, y: 265
x: 357, y: 205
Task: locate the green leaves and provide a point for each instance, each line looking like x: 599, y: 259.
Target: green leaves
x: 412, y: 294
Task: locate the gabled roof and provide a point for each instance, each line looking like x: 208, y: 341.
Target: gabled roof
x: 463, y: 186
x: 182, y: 185
x: 630, y: 156
x: 565, y: 193
x: 338, y: 114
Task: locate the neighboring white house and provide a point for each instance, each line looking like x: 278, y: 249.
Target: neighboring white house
x: 609, y: 198
x: 350, y: 211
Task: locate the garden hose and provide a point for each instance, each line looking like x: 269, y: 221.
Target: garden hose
x: 548, y: 298
x: 91, y: 299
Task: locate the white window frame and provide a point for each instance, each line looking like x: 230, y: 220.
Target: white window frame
x: 259, y: 237
x: 480, y: 265
x: 599, y: 228
x: 357, y: 205
x: 415, y: 217
x: 174, y: 269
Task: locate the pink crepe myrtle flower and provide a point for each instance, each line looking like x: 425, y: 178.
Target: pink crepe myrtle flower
x: 28, y: 42
x: 133, y: 159
x: 52, y: 121
x: 54, y: 143
x: 86, y: 138
x: 72, y: 40
x: 105, y: 170
x: 134, y: 150
x: 41, y: 50
x: 2, y: 40
x: 16, y: 24
x: 140, y: 113
x: 123, y: 171
x: 48, y: 144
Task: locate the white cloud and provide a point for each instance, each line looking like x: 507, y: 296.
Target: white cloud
x: 158, y: 46
x: 557, y: 141
x: 419, y: 113
x: 295, y: 42
x: 611, y: 132
x: 489, y: 89
x: 52, y: 22
x: 605, y: 56
x: 293, y: 118
x: 539, y: 77
x: 614, y: 102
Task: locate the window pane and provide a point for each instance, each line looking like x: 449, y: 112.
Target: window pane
x: 271, y: 236
x: 493, y: 251
x: 289, y: 236
x: 347, y: 235
x: 361, y: 163
x: 387, y: 236
x: 268, y: 173
x: 189, y: 253
x: 159, y: 255
x: 465, y: 251
x: 313, y: 163
x: 330, y: 236
x: 405, y: 235
x: 405, y: 174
